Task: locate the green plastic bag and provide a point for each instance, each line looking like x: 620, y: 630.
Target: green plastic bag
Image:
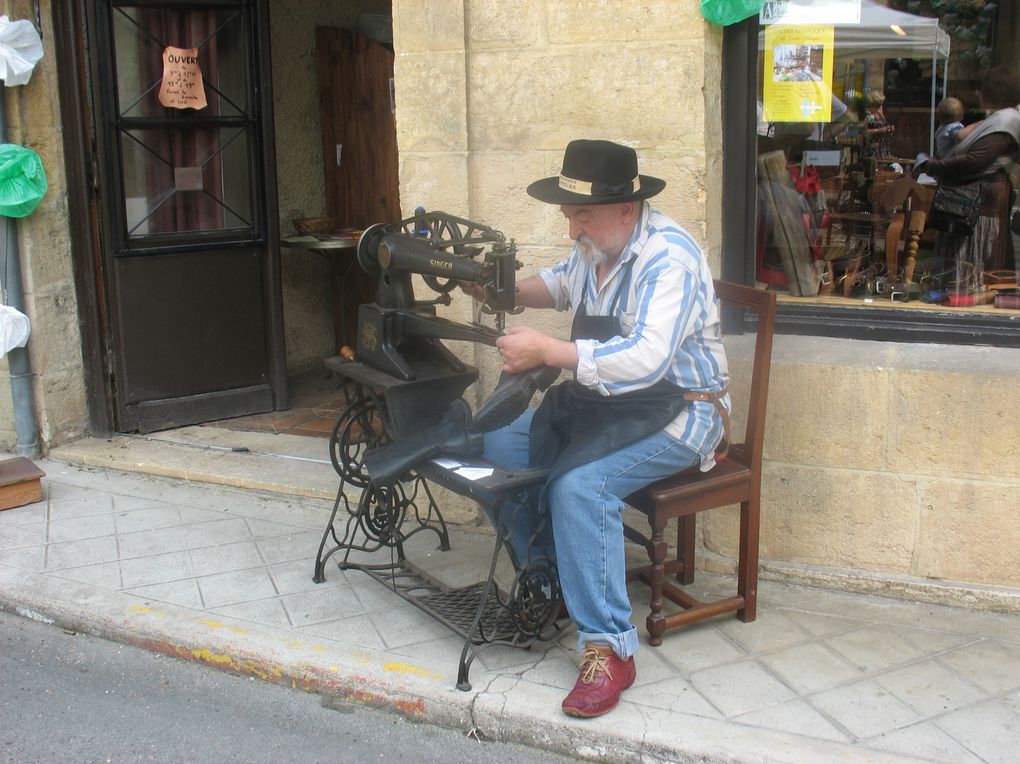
x: 22, y: 180
x: 726, y: 12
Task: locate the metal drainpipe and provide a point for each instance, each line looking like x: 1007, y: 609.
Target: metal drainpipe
x: 25, y: 427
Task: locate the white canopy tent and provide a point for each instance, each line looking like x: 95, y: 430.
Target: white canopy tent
x: 880, y: 32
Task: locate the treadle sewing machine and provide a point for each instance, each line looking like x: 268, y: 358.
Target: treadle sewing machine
x: 406, y: 409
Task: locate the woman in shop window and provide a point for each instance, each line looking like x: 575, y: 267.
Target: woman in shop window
x: 985, y: 156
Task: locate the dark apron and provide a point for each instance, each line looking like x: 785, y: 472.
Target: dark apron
x: 575, y: 425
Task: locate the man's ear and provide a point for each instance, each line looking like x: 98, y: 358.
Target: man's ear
x: 628, y: 212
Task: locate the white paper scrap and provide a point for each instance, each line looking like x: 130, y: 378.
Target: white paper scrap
x: 448, y: 464
x: 474, y: 473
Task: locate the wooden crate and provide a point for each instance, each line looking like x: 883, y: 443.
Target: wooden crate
x: 20, y: 482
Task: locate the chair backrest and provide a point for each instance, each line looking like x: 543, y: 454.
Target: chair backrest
x: 763, y: 304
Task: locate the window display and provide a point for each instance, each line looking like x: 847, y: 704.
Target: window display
x: 887, y: 148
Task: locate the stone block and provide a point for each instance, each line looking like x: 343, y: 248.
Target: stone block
x: 955, y: 423
x: 437, y: 182
x: 577, y: 21
x: 45, y: 251
x: 828, y: 414
x: 55, y: 342
x: 62, y: 407
x: 545, y: 99
x: 431, y: 102
x: 830, y: 517
x: 509, y: 23
x: 427, y: 27
x: 969, y: 531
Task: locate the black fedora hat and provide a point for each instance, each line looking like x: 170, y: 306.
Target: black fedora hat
x: 596, y: 172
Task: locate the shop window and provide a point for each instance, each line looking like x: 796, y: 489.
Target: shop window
x: 845, y: 111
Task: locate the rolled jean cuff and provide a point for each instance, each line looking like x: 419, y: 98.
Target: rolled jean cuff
x: 624, y: 645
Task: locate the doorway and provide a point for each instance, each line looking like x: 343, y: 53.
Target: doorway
x: 182, y: 213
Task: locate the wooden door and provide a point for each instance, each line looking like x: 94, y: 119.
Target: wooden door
x: 188, y: 234
x: 359, y: 141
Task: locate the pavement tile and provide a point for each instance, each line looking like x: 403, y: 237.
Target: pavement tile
x: 73, y: 554
x: 354, y: 630
x: 991, y: 730
x: 226, y: 531
x: 28, y: 513
x: 152, y: 517
x: 224, y: 558
x: 697, y: 647
x: 671, y: 694
x: 105, y: 575
x: 75, y: 528
x: 407, y: 625
x: 794, y: 716
x: 296, y: 576
x: 771, y: 630
x: 297, y: 546
x: 25, y: 558
x: 155, y: 569
x: 221, y: 589
x: 95, y: 503
x: 811, y: 667
x: 321, y: 605
x: 993, y: 667
x: 865, y: 708
x: 182, y: 593
x: 158, y: 541
x: 738, y: 688
x: 266, y: 612
x: 127, y: 503
x: 926, y: 741
x: 26, y: 534
x: 876, y: 647
x: 821, y: 625
x: 931, y: 688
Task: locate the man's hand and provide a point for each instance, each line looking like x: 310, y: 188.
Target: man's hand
x: 521, y: 348
x: 472, y: 289
x: 524, y: 348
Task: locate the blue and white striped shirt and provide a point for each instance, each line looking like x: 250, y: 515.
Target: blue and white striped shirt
x: 670, y: 318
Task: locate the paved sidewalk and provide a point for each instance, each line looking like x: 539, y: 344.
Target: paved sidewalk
x: 223, y: 575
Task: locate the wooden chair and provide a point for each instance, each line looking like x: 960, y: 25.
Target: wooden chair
x: 734, y: 480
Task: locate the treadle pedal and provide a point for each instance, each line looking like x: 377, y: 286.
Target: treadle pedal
x: 458, y: 609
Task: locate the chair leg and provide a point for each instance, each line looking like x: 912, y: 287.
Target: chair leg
x: 747, y: 565
x: 685, y: 527
x: 656, y: 621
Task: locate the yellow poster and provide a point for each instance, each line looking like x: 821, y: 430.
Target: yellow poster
x: 797, y: 81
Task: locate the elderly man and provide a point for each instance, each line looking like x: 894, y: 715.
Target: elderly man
x: 647, y: 401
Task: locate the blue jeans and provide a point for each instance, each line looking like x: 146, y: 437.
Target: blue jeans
x: 587, y: 525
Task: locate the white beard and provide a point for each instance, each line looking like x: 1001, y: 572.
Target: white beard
x: 590, y: 253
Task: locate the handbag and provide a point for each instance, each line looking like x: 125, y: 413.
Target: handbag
x: 955, y: 209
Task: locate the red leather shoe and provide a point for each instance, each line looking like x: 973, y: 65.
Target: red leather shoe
x: 602, y: 678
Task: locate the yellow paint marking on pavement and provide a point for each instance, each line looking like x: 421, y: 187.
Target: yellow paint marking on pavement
x: 212, y: 624
x: 403, y: 668
x: 141, y: 609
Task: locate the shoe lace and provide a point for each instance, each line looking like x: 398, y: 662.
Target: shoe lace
x: 591, y: 664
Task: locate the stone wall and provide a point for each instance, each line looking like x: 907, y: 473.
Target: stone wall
x: 54, y: 347
x: 888, y: 467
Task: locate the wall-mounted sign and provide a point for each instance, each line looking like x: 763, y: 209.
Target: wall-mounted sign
x: 797, y: 81
x: 182, y: 86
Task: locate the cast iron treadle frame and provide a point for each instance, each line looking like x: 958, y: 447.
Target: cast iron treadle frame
x: 482, y: 613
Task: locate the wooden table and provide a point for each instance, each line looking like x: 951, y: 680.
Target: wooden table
x: 341, y: 254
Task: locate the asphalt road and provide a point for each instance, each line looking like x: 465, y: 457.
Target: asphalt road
x: 76, y: 698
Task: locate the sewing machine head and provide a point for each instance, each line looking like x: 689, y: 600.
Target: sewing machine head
x: 398, y: 330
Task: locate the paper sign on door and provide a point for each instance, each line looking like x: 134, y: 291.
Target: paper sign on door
x: 182, y: 86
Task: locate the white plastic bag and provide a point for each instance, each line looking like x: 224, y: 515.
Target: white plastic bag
x: 14, y: 329
x: 20, y: 50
